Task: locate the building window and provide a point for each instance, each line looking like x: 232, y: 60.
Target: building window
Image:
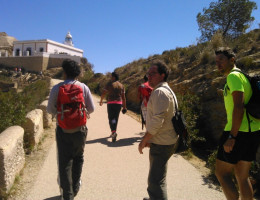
x: 29, y: 50
x: 17, y: 52
x: 41, y: 49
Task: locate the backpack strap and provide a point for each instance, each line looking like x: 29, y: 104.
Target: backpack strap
x: 174, y: 97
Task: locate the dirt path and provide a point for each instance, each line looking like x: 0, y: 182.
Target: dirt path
x: 113, y: 171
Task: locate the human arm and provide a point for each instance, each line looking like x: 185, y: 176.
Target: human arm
x: 144, y: 143
x: 102, y: 97
x: 237, y: 116
x: 88, y: 100
x: 123, y: 99
x: 52, y: 102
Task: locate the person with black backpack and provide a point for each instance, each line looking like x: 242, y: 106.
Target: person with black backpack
x: 241, y: 136
x: 71, y: 102
x: 160, y: 134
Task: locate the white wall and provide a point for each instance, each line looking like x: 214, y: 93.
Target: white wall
x: 48, y: 46
x: 57, y: 49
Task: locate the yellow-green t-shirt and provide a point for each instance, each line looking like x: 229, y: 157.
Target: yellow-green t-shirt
x: 236, y: 81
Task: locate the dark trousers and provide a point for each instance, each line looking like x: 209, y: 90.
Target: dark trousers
x: 70, y: 160
x: 159, y: 156
x: 113, y: 111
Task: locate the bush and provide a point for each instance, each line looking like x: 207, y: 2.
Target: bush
x: 12, y: 109
x: 94, y: 87
x: 246, y: 63
x: 34, y: 94
x: 189, y: 104
x: 211, y: 164
x: 86, y: 76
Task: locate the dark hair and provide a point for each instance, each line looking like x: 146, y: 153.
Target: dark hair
x: 145, y: 78
x: 226, y: 51
x: 71, y: 68
x: 114, y: 74
x: 161, y: 68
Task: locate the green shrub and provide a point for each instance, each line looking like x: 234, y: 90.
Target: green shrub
x: 211, y: 164
x: 190, y: 106
x: 246, y: 63
x: 94, y: 87
x: 87, y: 75
x: 217, y: 40
x: 14, y: 106
x: 12, y: 109
x: 35, y: 93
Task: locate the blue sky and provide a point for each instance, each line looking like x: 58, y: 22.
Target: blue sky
x: 112, y: 33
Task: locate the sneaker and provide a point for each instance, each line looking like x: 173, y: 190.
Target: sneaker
x: 114, y: 135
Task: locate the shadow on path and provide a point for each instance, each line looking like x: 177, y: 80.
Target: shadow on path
x: 208, y: 180
x: 53, y: 198
x: 119, y: 143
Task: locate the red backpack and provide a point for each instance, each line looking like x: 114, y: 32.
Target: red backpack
x: 146, y: 91
x: 71, y: 109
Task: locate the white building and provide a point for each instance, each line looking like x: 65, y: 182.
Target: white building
x: 39, y: 55
x: 45, y: 47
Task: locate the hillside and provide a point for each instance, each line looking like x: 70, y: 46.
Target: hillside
x: 192, y: 72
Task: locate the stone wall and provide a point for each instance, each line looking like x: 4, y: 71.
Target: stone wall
x: 31, y: 63
x: 36, y: 63
x: 33, y: 127
x: 12, y: 157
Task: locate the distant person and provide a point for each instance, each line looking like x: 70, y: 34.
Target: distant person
x: 160, y: 135
x: 144, y: 92
x: 70, y: 101
x: 115, y: 92
x: 238, y: 145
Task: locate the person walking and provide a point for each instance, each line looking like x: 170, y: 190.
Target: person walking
x: 144, y: 92
x: 115, y: 92
x: 160, y: 135
x: 71, y: 130
x: 238, y: 145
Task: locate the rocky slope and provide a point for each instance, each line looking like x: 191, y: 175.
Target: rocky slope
x: 193, y: 71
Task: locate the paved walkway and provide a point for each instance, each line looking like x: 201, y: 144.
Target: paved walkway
x: 116, y: 171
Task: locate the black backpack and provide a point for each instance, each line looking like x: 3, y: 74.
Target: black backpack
x: 180, y: 127
x: 253, y: 105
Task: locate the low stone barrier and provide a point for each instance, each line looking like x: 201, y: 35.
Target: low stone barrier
x: 47, y: 118
x: 12, y: 157
x: 33, y: 127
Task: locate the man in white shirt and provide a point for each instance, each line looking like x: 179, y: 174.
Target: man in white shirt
x: 160, y: 135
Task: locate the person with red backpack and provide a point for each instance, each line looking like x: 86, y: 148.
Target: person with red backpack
x: 71, y: 101
x: 144, y: 92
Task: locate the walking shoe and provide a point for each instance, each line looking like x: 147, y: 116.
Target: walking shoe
x: 114, y: 135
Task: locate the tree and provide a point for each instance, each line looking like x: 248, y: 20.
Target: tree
x: 230, y: 17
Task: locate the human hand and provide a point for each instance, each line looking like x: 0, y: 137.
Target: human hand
x: 100, y: 103
x: 141, y: 146
x: 229, y: 144
x: 124, y: 110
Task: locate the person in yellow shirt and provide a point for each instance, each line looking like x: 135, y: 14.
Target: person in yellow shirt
x: 238, y: 144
